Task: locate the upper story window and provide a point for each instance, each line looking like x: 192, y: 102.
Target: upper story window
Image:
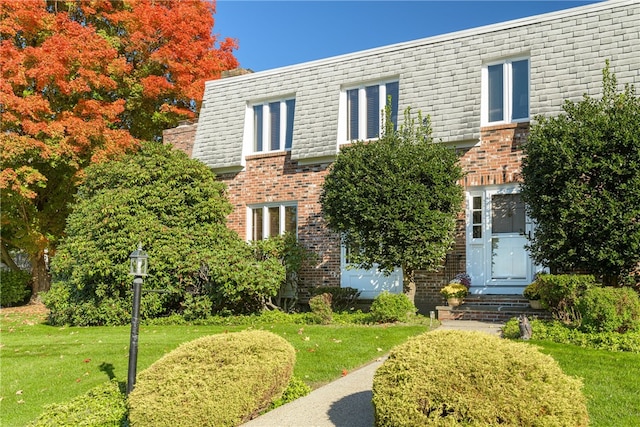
x: 272, y: 219
x: 273, y: 125
x: 364, y: 105
x: 505, y: 92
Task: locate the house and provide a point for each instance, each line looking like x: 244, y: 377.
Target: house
x: 272, y: 135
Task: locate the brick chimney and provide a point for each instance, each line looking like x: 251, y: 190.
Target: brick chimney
x: 181, y: 137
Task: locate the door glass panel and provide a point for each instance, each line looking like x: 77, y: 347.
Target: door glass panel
x: 507, y: 214
x: 508, y: 257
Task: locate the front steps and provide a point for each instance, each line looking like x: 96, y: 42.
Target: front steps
x: 491, y: 308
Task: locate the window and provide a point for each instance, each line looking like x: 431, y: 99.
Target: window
x: 505, y: 97
x: 364, y: 109
x: 273, y: 126
x: 272, y: 220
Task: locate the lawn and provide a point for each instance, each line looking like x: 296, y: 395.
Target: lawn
x: 41, y: 364
x: 611, y: 381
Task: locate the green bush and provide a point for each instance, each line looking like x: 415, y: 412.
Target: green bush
x: 342, y: 299
x: 102, y: 406
x: 14, y: 287
x: 295, y: 389
x: 560, y: 292
x: 388, y: 307
x: 473, y: 378
x: 219, y: 380
x: 560, y: 332
x: 321, y: 307
x: 609, y: 310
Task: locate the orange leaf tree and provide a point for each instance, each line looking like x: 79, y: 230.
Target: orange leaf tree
x: 83, y: 81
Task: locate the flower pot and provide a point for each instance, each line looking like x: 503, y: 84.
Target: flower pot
x: 535, y: 304
x: 454, y: 302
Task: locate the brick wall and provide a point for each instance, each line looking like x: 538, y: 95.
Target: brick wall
x: 274, y: 177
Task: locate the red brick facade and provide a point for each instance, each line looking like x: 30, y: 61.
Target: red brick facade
x: 274, y: 177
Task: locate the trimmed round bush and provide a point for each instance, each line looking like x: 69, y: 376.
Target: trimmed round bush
x: 102, y: 406
x: 609, y: 310
x: 217, y: 380
x: 388, y: 307
x: 472, y: 378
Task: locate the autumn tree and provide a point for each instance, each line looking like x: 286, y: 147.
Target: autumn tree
x: 581, y: 183
x: 81, y: 82
x: 395, y: 200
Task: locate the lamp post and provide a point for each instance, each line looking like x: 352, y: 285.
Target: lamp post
x: 138, y: 268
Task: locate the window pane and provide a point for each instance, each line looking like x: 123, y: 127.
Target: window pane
x: 496, y: 89
x: 477, y: 231
x: 256, y: 218
x: 520, y: 72
x: 352, y: 114
x: 274, y: 221
x: 257, y: 128
x: 291, y: 106
x: 274, y: 113
x: 393, y: 91
x: 291, y: 219
x: 477, y: 202
x: 373, y: 111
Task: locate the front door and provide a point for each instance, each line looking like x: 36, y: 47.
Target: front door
x: 370, y: 283
x: 497, y: 231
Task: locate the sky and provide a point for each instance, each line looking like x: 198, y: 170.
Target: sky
x: 274, y: 34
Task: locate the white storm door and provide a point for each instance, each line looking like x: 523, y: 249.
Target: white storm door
x: 497, y: 231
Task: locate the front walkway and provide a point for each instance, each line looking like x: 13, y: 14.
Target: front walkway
x: 346, y: 402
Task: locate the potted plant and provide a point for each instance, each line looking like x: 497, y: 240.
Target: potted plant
x: 531, y: 292
x: 454, y: 293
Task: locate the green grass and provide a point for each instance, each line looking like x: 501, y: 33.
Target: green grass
x: 41, y: 364
x: 611, y: 381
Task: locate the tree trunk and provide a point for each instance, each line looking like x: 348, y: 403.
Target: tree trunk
x: 7, y: 260
x: 40, y: 279
x: 409, y: 283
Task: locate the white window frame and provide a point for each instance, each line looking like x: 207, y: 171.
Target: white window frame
x: 266, y: 224
x: 250, y: 136
x: 343, y: 124
x: 507, y: 94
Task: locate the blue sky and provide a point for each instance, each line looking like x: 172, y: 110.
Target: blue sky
x: 274, y: 34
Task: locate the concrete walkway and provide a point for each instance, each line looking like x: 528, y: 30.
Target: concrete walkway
x: 346, y: 402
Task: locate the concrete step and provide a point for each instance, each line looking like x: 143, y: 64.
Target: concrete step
x: 491, y: 308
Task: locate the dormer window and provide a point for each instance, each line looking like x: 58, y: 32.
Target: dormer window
x: 363, y: 108
x: 505, y: 92
x: 273, y: 125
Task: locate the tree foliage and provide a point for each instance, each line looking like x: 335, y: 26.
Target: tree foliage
x: 81, y: 81
x: 396, y: 199
x: 174, y: 206
x: 582, y: 184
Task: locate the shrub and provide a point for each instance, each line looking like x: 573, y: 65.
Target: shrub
x: 321, y: 307
x: 532, y: 291
x: 388, y: 307
x: 342, y: 299
x: 559, y: 293
x: 609, y: 310
x: 102, y: 406
x: 472, y: 378
x: 220, y: 380
x: 296, y: 389
x: 562, y: 333
x: 14, y: 287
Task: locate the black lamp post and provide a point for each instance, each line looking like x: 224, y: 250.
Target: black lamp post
x: 138, y: 268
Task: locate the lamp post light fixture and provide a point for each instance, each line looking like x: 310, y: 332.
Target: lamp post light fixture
x: 138, y: 265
